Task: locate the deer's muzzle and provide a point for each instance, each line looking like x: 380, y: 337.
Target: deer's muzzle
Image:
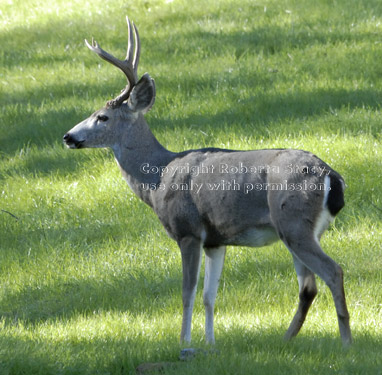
x: 71, y: 142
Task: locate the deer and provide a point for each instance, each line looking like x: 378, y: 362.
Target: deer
x: 211, y: 198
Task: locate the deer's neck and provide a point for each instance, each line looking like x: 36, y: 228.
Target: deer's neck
x: 139, y: 156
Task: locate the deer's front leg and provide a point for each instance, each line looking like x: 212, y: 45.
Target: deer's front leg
x: 191, y: 250
x: 214, y: 266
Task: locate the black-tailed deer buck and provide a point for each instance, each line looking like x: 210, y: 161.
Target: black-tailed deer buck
x: 210, y: 198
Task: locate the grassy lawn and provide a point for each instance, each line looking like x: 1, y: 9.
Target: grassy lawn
x: 89, y: 281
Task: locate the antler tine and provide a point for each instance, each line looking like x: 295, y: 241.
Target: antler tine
x: 134, y: 47
x: 130, y: 44
x: 129, y: 66
x: 122, y: 65
x: 137, y: 50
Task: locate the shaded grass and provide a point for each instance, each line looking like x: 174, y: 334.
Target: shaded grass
x: 89, y: 282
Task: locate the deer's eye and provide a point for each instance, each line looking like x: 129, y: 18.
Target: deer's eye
x: 102, y: 118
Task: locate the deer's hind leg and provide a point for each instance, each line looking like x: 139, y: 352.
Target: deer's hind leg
x: 304, y: 246
x: 300, y: 223
x: 307, y: 293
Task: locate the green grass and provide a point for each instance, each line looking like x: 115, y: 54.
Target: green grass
x: 89, y: 281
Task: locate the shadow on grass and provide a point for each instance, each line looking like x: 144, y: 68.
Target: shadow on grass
x: 82, y: 355
x: 261, y: 352
x: 44, y: 161
x: 271, y: 39
x: 260, y: 116
x: 125, y: 288
x: 314, y: 355
x: 136, y: 292
x: 264, y: 114
x: 251, y: 114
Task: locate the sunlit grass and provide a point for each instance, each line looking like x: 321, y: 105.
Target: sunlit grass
x: 89, y: 281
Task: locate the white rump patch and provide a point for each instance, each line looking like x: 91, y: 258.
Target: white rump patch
x: 324, y: 218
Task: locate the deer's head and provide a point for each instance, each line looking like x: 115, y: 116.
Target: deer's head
x: 104, y: 127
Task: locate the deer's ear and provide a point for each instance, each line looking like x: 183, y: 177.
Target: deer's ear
x: 142, y: 96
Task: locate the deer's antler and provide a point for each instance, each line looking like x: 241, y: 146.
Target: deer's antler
x: 129, y: 66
